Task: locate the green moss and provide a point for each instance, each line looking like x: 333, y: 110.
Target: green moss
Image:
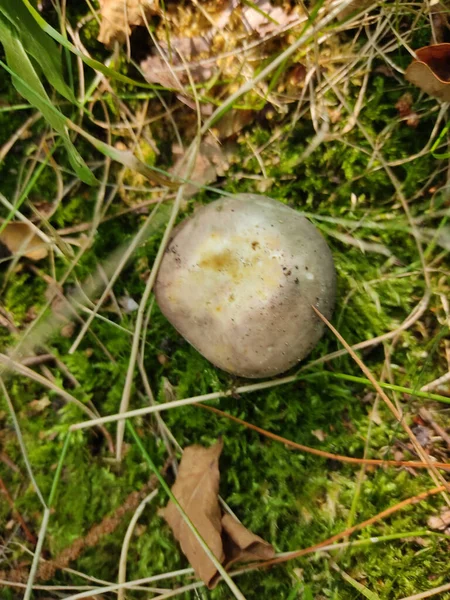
x: 293, y: 499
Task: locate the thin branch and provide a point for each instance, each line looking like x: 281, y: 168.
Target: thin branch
x: 346, y: 459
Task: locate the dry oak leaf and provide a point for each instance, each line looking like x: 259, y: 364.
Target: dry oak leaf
x: 21, y: 239
x: 119, y: 15
x: 196, y: 489
x: 431, y: 71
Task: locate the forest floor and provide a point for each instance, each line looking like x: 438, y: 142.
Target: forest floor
x: 327, y: 125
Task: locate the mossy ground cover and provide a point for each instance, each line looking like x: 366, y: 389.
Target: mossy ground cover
x: 292, y: 499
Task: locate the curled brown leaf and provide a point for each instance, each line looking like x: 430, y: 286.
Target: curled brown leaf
x: 431, y: 71
x: 197, y: 490
x: 20, y: 239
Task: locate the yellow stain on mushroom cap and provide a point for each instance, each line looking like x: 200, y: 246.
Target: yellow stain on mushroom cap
x: 226, y: 271
x: 238, y: 266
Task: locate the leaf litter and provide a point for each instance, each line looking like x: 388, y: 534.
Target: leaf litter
x: 118, y: 16
x: 211, y: 162
x: 201, y: 45
x: 197, y: 490
x: 196, y: 43
x: 431, y: 71
x: 20, y: 239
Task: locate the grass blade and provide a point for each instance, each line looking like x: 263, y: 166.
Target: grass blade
x: 94, y: 64
x: 40, y: 46
x: 355, y: 584
x: 28, y: 84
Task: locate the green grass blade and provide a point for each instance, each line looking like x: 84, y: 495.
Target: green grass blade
x: 355, y: 584
x: 295, y: 592
x: 438, y: 142
x: 34, y: 92
x: 57, y: 476
x: 45, y: 519
x: 25, y: 78
x: 127, y: 159
x: 24, y: 195
x: 94, y: 64
x: 390, y: 386
x: 260, y: 11
x: 28, y: 84
x: 38, y: 45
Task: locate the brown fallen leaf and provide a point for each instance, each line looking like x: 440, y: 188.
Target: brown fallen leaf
x: 210, y: 163
x: 196, y: 489
x: 118, y: 16
x: 404, y: 107
x: 156, y: 70
x: 261, y: 18
x: 440, y: 522
x: 232, y: 122
x: 431, y: 71
x: 241, y: 545
x: 20, y: 239
x: 265, y: 18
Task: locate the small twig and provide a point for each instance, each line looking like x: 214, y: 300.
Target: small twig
x: 346, y: 459
x: 106, y: 527
x: 18, y: 133
x: 436, y: 383
x: 349, y: 531
x: 243, y: 389
x: 31, y: 361
x: 8, y: 462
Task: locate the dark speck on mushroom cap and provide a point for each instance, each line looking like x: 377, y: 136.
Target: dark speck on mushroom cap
x: 238, y: 280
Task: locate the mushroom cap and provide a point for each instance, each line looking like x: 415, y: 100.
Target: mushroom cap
x: 238, y: 280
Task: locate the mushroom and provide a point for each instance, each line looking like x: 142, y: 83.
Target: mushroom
x: 238, y: 280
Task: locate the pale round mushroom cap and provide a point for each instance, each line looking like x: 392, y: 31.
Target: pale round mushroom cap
x: 238, y: 280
